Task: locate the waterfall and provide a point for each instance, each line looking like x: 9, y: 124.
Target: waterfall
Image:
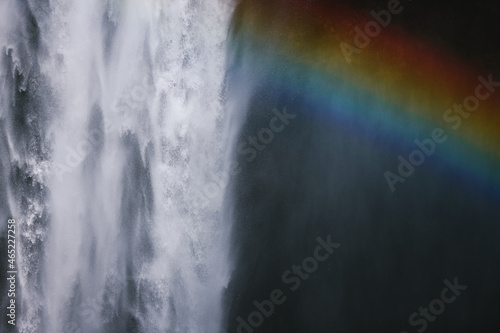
x: 113, y: 121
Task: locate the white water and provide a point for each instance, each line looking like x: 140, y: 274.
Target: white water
x: 137, y: 126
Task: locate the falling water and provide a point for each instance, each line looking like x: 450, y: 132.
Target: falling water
x: 113, y: 119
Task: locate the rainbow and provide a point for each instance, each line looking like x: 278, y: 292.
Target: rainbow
x: 394, y: 90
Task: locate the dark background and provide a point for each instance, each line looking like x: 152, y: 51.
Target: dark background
x: 317, y: 179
